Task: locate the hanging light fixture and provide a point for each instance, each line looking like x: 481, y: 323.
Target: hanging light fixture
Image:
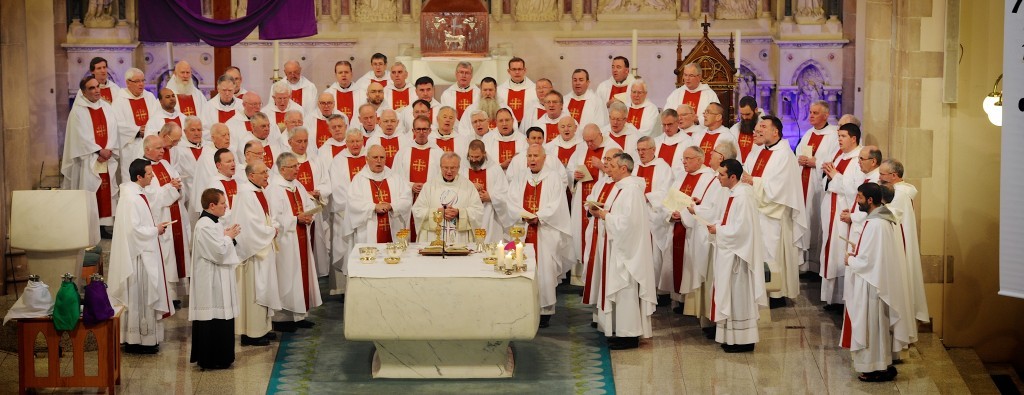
x: 993, y: 104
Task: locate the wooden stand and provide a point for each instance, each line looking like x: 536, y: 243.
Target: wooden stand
x: 108, y: 340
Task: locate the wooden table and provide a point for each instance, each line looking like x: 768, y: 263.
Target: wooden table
x: 108, y: 340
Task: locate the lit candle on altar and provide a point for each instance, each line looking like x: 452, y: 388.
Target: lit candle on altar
x: 277, y: 55
x: 509, y: 261
x: 633, y: 58
x: 739, y: 50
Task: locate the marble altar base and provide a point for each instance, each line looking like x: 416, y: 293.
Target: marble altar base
x: 442, y: 359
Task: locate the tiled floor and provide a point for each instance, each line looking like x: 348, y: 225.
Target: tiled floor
x: 797, y: 354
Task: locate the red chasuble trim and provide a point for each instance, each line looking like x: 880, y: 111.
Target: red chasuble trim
x: 419, y: 162
x: 620, y: 140
x: 381, y: 193
x: 355, y: 164
x: 707, y: 143
x: 588, y: 273
x: 746, y: 142
x: 692, y: 99
x: 163, y: 273
x: 478, y: 178
x: 196, y: 152
x: 576, y: 108
x: 391, y: 148
x: 728, y: 206
x: 446, y: 145
x: 506, y: 150
x: 550, y: 132
x: 616, y: 89
x: 323, y: 132
x: 647, y: 173
x: 667, y: 152
x: 175, y: 120
x: 564, y: 154
x: 103, y: 198
x: 107, y: 95
x: 268, y: 156
x: 841, y: 167
x: 305, y: 176
x: 344, y: 102
x: 302, y: 233
x: 297, y: 96
x: 163, y: 177
x: 336, y: 149
x: 531, y: 203
x: 140, y: 113
x: 805, y: 175
x: 604, y: 259
x: 187, y: 105
x: 517, y: 102
x: 635, y: 116
x: 762, y: 161
x: 230, y: 189
x: 399, y: 98
x: 679, y: 235
x: 224, y: 116
x: 462, y: 101
x: 99, y: 126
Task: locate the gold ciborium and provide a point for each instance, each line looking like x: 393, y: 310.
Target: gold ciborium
x: 517, y: 231
x: 438, y: 217
x: 403, y: 238
x: 479, y: 235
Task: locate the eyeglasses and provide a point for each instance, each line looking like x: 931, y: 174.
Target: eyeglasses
x: 135, y: 81
x: 865, y: 158
x: 421, y: 129
x: 257, y: 153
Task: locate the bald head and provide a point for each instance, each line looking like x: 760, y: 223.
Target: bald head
x: 592, y: 136
x: 535, y: 158
x: 183, y: 71
x: 221, y: 135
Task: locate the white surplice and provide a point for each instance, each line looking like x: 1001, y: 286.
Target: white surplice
x: 840, y: 194
x: 212, y: 291
x: 132, y: 124
x: 739, y: 269
x: 902, y: 207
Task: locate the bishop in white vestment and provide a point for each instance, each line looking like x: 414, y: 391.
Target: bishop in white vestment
x: 456, y: 198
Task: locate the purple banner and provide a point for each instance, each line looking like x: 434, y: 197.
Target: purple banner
x: 182, y: 21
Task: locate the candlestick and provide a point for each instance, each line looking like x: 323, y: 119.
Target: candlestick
x: 633, y: 58
x: 170, y: 59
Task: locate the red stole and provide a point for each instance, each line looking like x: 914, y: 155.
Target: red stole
x: 139, y: 111
x: 616, y: 89
x: 322, y: 132
x: 564, y: 154
x: 167, y: 154
x: 531, y: 203
x: 99, y: 132
x: 399, y: 98
x: 163, y: 177
x: 345, y: 102
x: 196, y: 152
x: 576, y: 108
x: 805, y: 174
x: 187, y: 104
x: 248, y: 126
x: 746, y: 142
x: 506, y: 150
x: 667, y: 152
x: 383, y: 83
x: 418, y: 164
x: 620, y: 140
x: 305, y: 176
x: 230, y: 189
x: 224, y: 116
x: 391, y: 147
x: 679, y: 235
x: 589, y: 185
x: 550, y: 132
x: 635, y: 116
x: 601, y: 198
x: 355, y: 164
x: 707, y: 143
x: 279, y: 117
x: 175, y: 120
x: 517, y: 102
x: 263, y: 202
x: 478, y: 177
x: 647, y: 173
x: 462, y: 101
x: 297, y: 96
x: 163, y: 273
x: 540, y: 112
x: 604, y: 260
x: 761, y: 162
x: 382, y: 194
x: 336, y: 149
x: 302, y: 233
x: 268, y: 156
x: 840, y: 167
x: 728, y: 205
x: 691, y: 99
x: 107, y: 95
x: 846, y: 334
x: 446, y: 145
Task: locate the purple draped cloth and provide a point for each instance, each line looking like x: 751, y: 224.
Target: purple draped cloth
x: 182, y: 21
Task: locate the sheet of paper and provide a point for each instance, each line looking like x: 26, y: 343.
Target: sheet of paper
x: 622, y: 97
x: 586, y: 173
x: 591, y: 203
x: 852, y: 244
x: 527, y: 215
x: 315, y: 210
x: 676, y: 200
x: 702, y: 220
x: 804, y: 151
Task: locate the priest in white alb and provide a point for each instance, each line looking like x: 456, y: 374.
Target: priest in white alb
x: 621, y: 81
x: 347, y: 97
x: 190, y: 98
x: 820, y: 142
x: 739, y: 287
x: 840, y: 185
x: 694, y: 93
x: 518, y: 89
x: 715, y: 133
x: 379, y: 202
x: 583, y: 104
x: 902, y: 206
x: 258, y: 295
x: 135, y: 275
x: 627, y: 287
x: 91, y: 149
x: 643, y: 114
x: 165, y: 200
x: 134, y: 106
x: 539, y: 194
x: 303, y: 91
x: 343, y: 169
x: 316, y: 121
x: 280, y: 104
x: 492, y: 187
x: 457, y: 199
x: 462, y: 93
x: 165, y: 111
x: 224, y: 106
x: 657, y: 177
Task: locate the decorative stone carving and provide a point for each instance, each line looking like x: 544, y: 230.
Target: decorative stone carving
x: 454, y: 28
x: 809, y: 12
x: 376, y: 10
x: 810, y: 84
x: 634, y: 6
x: 535, y: 10
x: 101, y: 14
x: 736, y: 9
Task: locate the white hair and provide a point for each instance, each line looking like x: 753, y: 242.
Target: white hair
x: 281, y: 87
x: 132, y: 73
x: 296, y: 130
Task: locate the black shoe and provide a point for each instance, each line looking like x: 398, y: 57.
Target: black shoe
x: 140, y: 349
x: 284, y: 326
x: 177, y: 304
x: 834, y: 307
x: 774, y: 303
x: 664, y: 300
x: 305, y: 324
x: 709, y: 332
x: 593, y: 325
x: 254, y: 341
x: 545, y: 321
x: 623, y: 343
x: 105, y: 234
x: 678, y: 309
x: 214, y: 367
x: 810, y: 276
x: 342, y: 298
x: 736, y: 348
x: 269, y: 336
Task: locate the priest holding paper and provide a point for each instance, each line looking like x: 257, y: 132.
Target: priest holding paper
x: 458, y: 200
x: 627, y: 287
x: 739, y: 284
x: 540, y: 195
x: 258, y: 295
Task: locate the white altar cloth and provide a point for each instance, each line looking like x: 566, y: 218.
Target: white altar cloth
x: 439, y: 318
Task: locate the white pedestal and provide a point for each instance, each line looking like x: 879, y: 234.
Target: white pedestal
x: 442, y: 359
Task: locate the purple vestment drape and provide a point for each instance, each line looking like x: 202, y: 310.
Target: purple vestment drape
x: 182, y: 21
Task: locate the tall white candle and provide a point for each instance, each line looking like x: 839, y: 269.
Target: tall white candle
x: 170, y: 58
x: 633, y: 58
x: 277, y: 55
x: 739, y: 50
